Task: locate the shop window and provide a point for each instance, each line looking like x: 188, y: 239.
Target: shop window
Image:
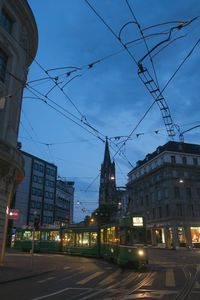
x: 195, y: 234
x: 6, y: 21
x: 3, y: 64
x: 181, y: 236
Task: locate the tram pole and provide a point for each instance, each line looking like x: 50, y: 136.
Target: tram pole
x: 32, y: 248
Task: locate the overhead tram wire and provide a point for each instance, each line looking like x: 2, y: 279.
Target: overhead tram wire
x: 163, y: 107
x: 156, y: 98
x: 60, y: 112
x: 92, y: 182
x: 148, y: 80
x: 145, y: 42
x: 28, y: 121
x: 54, y: 81
x: 163, y: 89
x: 67, y: 111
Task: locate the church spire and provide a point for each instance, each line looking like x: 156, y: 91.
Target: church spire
x: 107, y: 160
x: 107, y: 189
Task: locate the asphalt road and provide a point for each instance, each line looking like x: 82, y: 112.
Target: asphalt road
x: 171, y: 275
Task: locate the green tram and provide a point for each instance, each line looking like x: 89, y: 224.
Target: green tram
x: 122, y: 243
x: 45, y: 240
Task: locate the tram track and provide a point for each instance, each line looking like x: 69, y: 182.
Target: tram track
x: 188, y: 286
x: 145, y: 281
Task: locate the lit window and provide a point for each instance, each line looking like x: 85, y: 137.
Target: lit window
x: 6, y: 21
x: 3, y: 64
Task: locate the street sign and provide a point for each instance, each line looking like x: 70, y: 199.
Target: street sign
x: 13, y: 214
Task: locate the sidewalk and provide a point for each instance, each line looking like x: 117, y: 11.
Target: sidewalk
x: 19, y: 265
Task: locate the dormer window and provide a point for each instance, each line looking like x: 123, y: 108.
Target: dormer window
x: 6, y: 21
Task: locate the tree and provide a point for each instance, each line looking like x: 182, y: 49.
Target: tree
x: 105, y: 213
x: 87, y: 221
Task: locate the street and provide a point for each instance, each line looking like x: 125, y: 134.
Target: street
x: 169, y: 275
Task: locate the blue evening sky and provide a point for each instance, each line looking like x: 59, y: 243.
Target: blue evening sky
x: 107, y: 98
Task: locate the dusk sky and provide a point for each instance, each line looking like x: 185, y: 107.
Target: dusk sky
x: 99, y: 92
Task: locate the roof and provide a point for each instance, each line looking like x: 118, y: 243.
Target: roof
x: 179, y: 147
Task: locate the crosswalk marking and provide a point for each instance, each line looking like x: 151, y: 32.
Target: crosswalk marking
x: 110, y: 278
x: 169, y: 278
x: 89, y: 278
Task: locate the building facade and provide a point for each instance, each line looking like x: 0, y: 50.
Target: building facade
x: 18, y: 46
x: 64, y: 203
x: 107, y: 189
x: 36, y: 195
x: 165, y: 188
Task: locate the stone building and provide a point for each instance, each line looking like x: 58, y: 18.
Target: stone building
x: 107, y: 189
x: 18, y: 46
x: 165, y: 188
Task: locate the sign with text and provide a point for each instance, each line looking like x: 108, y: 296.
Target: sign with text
x: 13, y: 214
x: 137, y: 221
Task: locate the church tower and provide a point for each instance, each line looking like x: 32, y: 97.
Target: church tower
x: 107, y: 189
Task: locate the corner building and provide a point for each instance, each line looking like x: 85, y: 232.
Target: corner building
x: 165, y: 188
x: 18, y: 46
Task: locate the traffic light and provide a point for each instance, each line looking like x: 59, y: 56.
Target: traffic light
x: 36, y: 223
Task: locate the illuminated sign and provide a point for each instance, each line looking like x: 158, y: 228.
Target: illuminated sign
x: 13, y: 214
x: 137, y: 221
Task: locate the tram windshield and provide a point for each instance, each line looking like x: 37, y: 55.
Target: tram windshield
x: 132, y: 236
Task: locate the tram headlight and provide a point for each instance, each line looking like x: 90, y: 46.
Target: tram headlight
x: 140, y: 252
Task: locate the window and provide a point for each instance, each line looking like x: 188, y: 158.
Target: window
x: 147, y: 200
x: 160, y: 212
x: 195, y: 161
x: 3, y: 64
x: 184, y: 160
x: 173, y: 159
x: 167, y: 210
x: 44, y: 219
x: 198, y: 192
x: 154, y: 213
x: 32, y: 204
x: 46, y: 206
x: 179, y: 210
x: 6, y: 21
x: 50, y: 220
x: 188, y: 192
x: 40, y: 179
x: 176, y: 192
x: 38, y: 204
x: 35, y: 178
